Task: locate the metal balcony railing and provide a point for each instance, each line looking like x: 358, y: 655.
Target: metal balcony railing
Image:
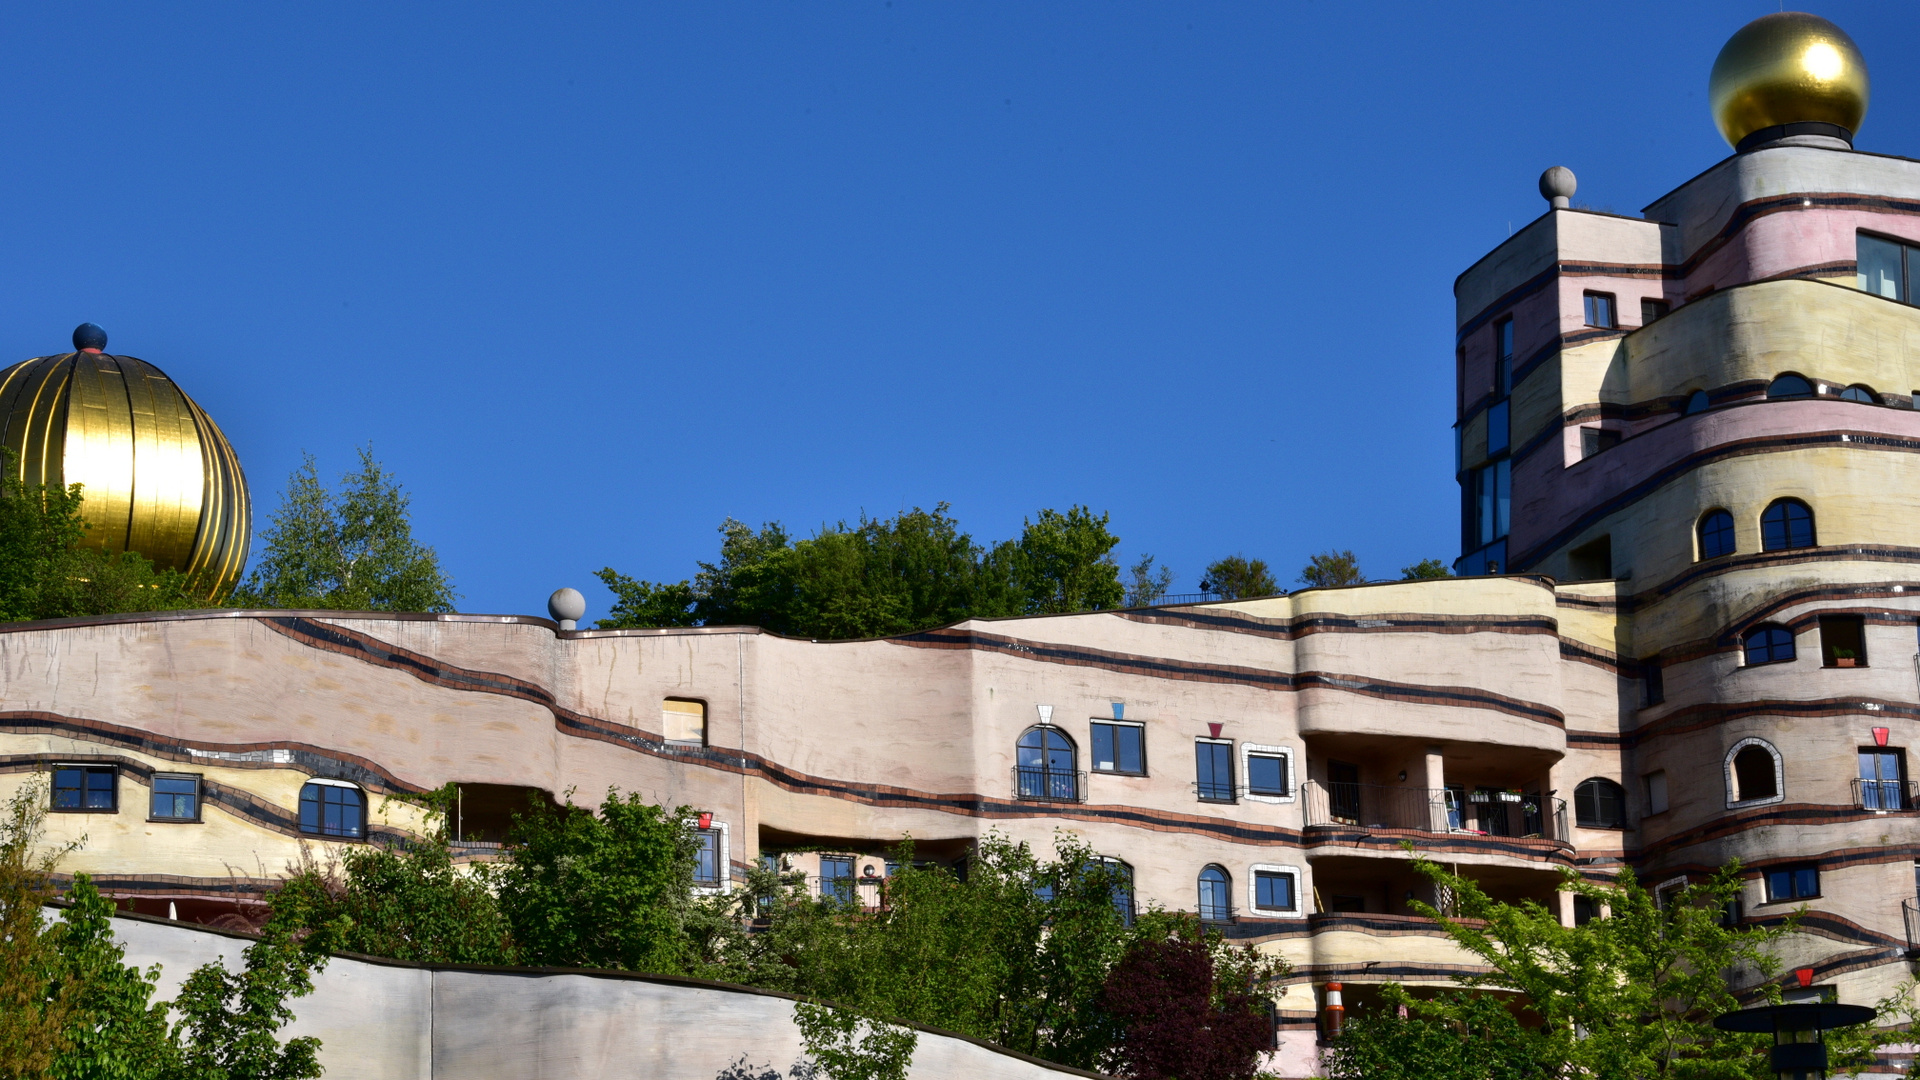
x: 1911, y: 909
x: 1487, y: 811
x: 1049, y: 785
x: 1885, y: 794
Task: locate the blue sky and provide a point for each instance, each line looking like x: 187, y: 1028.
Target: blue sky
x: 593, y: 278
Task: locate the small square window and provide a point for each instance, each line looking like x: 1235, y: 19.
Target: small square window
x: 1655, y: 784
x: 684, y: 722
x: 1600, y: 310
x: 1119, y: 748
x: 1652, y: 310
x: 1843, y: 641
x: 175, y: 798
x: 1793, y: 883
x: 1594, y: 440
x: 86, y: 789
x: 1267, y: 775
x: 1273, y: 890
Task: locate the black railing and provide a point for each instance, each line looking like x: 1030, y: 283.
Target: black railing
x: 1213, y: 790
x: 1487, y: 811
x: 1049, y: 785
x: 1911, y: 909
x: 1884, y: 794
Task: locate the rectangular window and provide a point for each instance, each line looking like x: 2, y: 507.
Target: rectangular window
x: 1273, y: 890
x: 1584, y: 910
x: 1652, y: 310
x: 1503, y: 345
x: 706, y: 864
x: 1883, y: 268
x: 684, y: 722
x: 1491, y: 504
x: 1214, y: 771
x: 1499, y: 427
x: 836, y: 878
x: 86, y: 789
x: 1594, y: 440
x: 1653, y: 683
x: 1600, y: 310
x: 1267, y: 775
x: 1655, y: 785
x: 1793, y: 883
x: 1843, y: 641
x: 175, y: 798
x: 1119, y: 748
x: 1883, y: 779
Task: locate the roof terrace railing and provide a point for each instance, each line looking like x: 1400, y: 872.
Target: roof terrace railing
x: 1482, y: 810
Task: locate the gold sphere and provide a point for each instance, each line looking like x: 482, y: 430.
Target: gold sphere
x: 1787, y: 68
x: 159, y: 477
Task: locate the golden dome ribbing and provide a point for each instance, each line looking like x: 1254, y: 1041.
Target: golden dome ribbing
x: 159, y: 476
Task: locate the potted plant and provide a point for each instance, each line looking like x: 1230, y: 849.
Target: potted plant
x: 1845, y: 658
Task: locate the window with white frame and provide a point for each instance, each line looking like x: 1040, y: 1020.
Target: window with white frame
x: 1754, y: 774
x: 1269, y: 772
x: 1273, y: 889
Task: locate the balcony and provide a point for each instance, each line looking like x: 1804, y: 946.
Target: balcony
x: 1049, y: 785
x: 1886, y: 794
x: 1479, y: 811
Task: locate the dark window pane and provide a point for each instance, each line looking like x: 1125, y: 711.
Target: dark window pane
x: 1503, y: 343
x: 1806, y: 881
x: 1215, y: 904
x: 1779, y: 884
x: 1864, y: 395
x: 1651, y: 310
x: 1769, y: 644
x: 1716, y: 535
x: 836, y: 879
x: 1785, y: 525
x: 100, y: 789
x: 1879, y: 271
x: 1273, y: 891
x: 1129, y: 744
x: 1214, y: 775
x: 176, y: 797
x: 1753, y: 775
x: 1789, y: 386
x: 1697, y: 402
x: 706, y: 870
x: 329, y: 810
x: 68, y: 788
x: 1598, y: 803
x: 1266, y: 774
x: 1499, y: 428
x: 1103, y: 756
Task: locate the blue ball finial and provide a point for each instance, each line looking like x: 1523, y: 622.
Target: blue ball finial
x: 89, y: 336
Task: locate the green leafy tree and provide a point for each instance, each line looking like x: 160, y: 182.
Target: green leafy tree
x: 1147, y: 583
x: 1424, y: 570
x: 1330, y: 568
x: 115, y: 1030
x: 1238, y: 578
x: 406, y: 901
x: 608, y: 890
x: 35, y: 1004
x: 48, y: 572
x: 1480, y: 1040
x: 646, y: 603
x: 1065, y: 562
x: 230, y: 1022
x: 836, y: 1043
x: 346, y: 550
x: 1630, y: 995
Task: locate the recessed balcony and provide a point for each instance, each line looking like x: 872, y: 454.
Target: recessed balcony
x: 1476, y: 811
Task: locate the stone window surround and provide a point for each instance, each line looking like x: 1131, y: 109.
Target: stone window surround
x: 1779, y: 774
x: 1299, y: 906
x: 1284, y: 752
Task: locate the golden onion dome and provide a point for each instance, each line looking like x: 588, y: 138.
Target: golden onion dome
x: 1788, y: 74
x: 159, y: 477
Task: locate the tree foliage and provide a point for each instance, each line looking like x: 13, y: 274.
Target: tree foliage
x: 1480, y: 1039
x: 1189, y: 1008
x: 1424, y: 570
x: 1630, y: 995
x: 1147, y: 583
x: 1237, y: 577
x: 48, y: 572
x: 1331, y: 568
x: 350, y: 549
x: 880, y: 577
x: 34, y: 1003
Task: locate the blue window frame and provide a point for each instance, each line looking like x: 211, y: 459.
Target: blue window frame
x: 333, y: 810
x: 1273, y: 891
x: 86, y: 789
x: 1769, y: 645
x: 1716, y: 534
x: 175, y: 798
x: 1793, y: 883
x: 1216, y: 895
x: 1786, y: 524
x: 1119, y: 748
x: 1213, y: 763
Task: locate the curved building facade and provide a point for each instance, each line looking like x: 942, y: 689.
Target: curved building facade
x: 1687, y: 631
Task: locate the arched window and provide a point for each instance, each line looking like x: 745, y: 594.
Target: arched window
x: 1599, y: 803
x: 1697, y: 402
x: 1753, y: 772
x: 1862, y: 394
x: 1716, y: 534
x: 1789, y: 386
x: 1769, y: 645
x: 1045, y: 766
x: 1786, y: 524
x: 333, y: 808
x: 1216, y: 893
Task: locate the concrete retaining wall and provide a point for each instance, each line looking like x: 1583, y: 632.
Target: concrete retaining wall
x: 392, y: 1021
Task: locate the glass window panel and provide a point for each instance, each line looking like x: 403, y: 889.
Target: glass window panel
x: 1483, y: 496
x: 1214, y: 770
x: 100, y: 789
x: 1806, y: 882
x: 1879, y: 271
x: 1214, y: 903
x: 1273, y: 891
x: 1502, y: 498
x: 836, y: 878
x: 176, y: 797
x: 1267, y: 774
x: 1716, y: 535
x: 68, y: 788
x: 1103, y: 755
x: 1499, y: 430
x: 1503, y: 342
x: 706, y: 870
